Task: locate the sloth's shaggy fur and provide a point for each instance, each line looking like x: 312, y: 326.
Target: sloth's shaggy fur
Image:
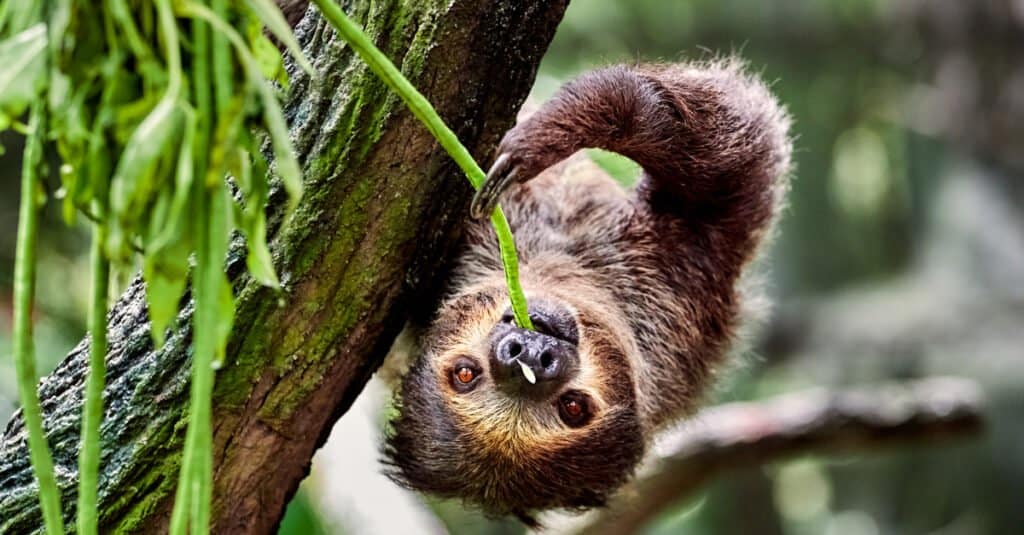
x: 650, y: 276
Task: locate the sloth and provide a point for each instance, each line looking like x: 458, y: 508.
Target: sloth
x: 635, y: 295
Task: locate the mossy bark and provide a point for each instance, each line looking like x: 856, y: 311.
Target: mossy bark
x: 363, y: 251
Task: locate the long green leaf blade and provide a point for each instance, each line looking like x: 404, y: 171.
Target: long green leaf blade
x: 270, y: 14
x: 23, y: 57
x: 24, y: 350
x: 92, y: 410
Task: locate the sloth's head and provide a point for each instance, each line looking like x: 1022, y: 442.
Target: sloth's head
x: 513, y: 420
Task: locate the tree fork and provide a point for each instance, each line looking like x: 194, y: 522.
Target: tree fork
x: 364, y: 249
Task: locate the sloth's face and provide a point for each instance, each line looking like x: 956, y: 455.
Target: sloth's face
x: 515, y: 420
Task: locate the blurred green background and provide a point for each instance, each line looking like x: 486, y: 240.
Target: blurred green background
x: 901, y: 255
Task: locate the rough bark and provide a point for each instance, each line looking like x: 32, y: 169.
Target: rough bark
x: 382, y: 208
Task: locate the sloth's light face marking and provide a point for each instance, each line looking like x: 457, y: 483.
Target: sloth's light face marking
x: 523, y: 390
x: 472, y: 424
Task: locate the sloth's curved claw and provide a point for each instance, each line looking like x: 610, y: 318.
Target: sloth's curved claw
x: 501, y: 175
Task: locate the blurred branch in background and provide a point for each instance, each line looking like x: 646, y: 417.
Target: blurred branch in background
x: 737, y: 435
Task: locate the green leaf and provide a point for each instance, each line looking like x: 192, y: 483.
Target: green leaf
x: 225, y: 139
x: 284, y: 156
x: 259, y: 261
x: 157, y: 214
x: 134, y: 179
x: 271, y: 16
x: 15, y: 16
x: 177, y: 220
x: 267, y: 57
x: 116, y: 246
x: 166, y: 259
x: 225, y: 318
x: 122, y: 15
x: 252, y: 219
x: 219, y: 231
x: 129, y: 114
x: 23, y: 57
x: 165, y: 275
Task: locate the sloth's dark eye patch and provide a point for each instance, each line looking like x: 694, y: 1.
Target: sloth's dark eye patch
x: 545, y: 327
x: 574, y: 408
x: 465, y: 375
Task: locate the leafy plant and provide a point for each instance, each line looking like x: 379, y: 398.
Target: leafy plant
x: 148, y: 110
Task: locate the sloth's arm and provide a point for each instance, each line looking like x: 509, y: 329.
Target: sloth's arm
x: 711, y: 139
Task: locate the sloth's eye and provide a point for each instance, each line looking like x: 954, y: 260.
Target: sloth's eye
x: 465, y: 375
x: 574, y: 408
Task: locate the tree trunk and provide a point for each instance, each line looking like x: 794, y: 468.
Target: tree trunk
x: 365, y: 248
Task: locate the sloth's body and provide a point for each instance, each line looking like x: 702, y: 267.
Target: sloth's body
x: 634, y: 293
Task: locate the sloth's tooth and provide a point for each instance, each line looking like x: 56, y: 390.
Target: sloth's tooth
x: 528, y: 373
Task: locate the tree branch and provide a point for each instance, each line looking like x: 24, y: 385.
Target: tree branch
x: 739, y: 435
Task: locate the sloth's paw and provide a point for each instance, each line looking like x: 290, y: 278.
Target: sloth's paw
x: 505, y: 171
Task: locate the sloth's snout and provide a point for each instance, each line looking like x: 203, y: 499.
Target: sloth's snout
x: 528, y: 362
x: 535, y: 363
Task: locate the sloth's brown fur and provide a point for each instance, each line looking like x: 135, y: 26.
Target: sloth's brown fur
x: 650, y: 276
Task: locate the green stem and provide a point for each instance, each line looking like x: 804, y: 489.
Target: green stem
x: 92, y: 417
x: 223, y: 77
x: 510, y: 261
x: 190, y: 501
x: 24, y: 291
x: 122, y: 15
x: 424, y: 111
x: 188, y: 496
x: 208, y: 280
x: 207, y: 289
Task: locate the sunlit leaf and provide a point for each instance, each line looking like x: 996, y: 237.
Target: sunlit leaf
x: 268, y: 12
x: 134, y: 178
x: 267, y: 56
x: 217, y: 242
x: 23, y: 57
x: 259, y: 261
x: 284, y: 157
x: 165, y: 276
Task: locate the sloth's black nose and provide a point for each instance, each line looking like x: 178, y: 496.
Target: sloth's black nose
x: 548, y: 361
x: 534, y: 363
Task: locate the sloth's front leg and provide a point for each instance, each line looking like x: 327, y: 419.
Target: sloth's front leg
x: 614, y: 108
x: 711, y: 139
